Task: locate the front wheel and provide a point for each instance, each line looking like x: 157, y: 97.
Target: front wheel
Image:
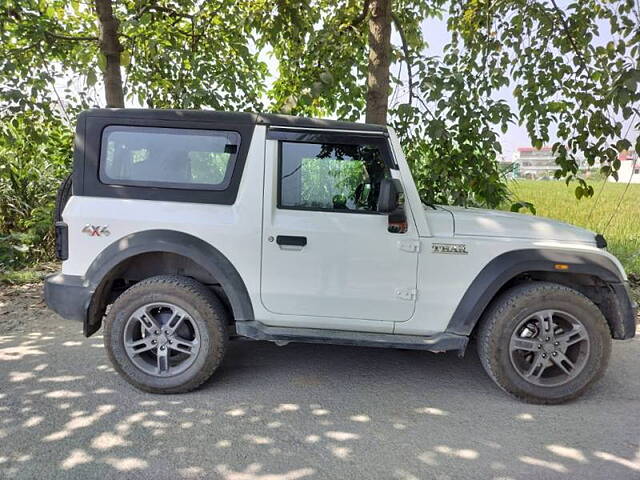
x: 544, y: 343
x: 166, y: 334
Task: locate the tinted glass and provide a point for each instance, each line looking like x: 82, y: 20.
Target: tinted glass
x: 325, y: 176
x: 169, y: 157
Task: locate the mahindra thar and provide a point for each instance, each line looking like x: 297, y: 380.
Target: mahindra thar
x: 180, y: 230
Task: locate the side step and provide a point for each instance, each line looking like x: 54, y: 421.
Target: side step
x: 282, y: 335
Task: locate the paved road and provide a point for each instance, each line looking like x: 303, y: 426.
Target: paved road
x: 298, y: 412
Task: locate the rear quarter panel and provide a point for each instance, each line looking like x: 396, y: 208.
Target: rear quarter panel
x: 235, y: 230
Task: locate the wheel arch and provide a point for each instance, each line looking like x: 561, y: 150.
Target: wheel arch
x: 161, y: 252
x: 592, y: 274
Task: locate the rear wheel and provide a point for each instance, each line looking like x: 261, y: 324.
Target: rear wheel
x: 544, y: 342
x: 166, y: 334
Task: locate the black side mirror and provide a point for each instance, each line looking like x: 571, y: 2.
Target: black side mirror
x: 389, y: 198
x: 391, y: 202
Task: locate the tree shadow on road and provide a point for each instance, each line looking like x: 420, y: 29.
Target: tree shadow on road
x: 301, y: 411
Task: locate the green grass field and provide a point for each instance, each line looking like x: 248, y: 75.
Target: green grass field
x: 554, y: 199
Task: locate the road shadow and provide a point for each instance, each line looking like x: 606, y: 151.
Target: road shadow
x: 302, y: 411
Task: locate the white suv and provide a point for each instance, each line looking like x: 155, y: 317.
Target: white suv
x: 183, y: 229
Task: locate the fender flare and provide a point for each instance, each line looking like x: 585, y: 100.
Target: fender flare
x: 170, y: 241
x: 509, y: 265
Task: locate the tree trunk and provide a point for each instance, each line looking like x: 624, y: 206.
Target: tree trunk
x: 379, y: 60
x: 111, y: 48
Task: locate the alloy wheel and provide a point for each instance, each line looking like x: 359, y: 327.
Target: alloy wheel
x: 161, y: 339
x: 549, y: 348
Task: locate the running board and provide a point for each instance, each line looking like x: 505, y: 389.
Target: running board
x: 440, y: 342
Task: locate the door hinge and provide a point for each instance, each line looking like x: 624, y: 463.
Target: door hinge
x: 406, y: 293
x: 412, y: 246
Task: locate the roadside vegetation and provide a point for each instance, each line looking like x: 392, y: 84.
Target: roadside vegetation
x: 35, y: 155
x: 602, y: 213
x: 28, y: 275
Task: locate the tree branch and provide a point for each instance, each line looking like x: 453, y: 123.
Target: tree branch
x: 171, y: 11
x: 71, y: 38
x: 405, y: 50
x: 428, y: 110
x: 360, y: 18
x: 567, y: 31
x: 153, y: 7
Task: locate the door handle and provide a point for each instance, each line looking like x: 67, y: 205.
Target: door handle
x: 291, y: 240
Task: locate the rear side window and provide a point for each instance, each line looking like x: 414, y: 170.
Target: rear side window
x: 168, y: 157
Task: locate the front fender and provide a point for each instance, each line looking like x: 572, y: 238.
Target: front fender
x: 499, y: 271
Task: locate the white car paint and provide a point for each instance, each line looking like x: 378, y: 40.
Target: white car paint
x: 495, y: 223
x: 350, y: 267
x: 353, y: 272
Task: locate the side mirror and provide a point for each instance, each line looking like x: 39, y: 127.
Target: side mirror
x: 389, y: 198
x: 391, y: 202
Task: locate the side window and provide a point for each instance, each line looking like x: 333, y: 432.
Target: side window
x: 330, y: 176
x: 168, y: 157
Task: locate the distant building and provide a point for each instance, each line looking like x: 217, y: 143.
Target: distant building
x: 629, y: 168
x: 540, y: 163
x: 535, y: 163
x: 508, y: 168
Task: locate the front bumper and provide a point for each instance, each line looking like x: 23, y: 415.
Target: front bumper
x: 68, y: 296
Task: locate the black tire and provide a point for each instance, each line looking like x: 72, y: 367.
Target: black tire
x: 509, y: 311
x: 204, y: 309
x: 62, y: 197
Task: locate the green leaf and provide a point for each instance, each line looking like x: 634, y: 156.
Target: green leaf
x: 326, y: 78
x: 623, y: 144
x: 125, y: 59
x: 517, y: 206
x: 579, y: 192
x: 632, y: 79
x: 91, y: 78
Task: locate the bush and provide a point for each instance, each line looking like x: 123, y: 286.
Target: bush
x: 35, y: 155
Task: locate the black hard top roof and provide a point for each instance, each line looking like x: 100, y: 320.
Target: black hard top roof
x: 237, y: 118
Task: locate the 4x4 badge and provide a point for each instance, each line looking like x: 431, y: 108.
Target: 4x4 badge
x: 455, y: 248
x: 96, y: 230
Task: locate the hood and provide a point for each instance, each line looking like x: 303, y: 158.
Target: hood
x: 496, y: 223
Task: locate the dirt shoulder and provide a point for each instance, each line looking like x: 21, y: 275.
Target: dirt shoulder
x: 20, y: 307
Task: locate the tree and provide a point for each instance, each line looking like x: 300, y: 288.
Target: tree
x: 447, y: 136
x: 58, y: 57
x: 110, y: 48
x: 336, y: 58
x: 451, y: 110
x: 379, y: 61
x: 185, y: 54
x: 566, y: 70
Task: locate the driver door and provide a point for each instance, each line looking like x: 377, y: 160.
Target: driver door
x: 327, y: 251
